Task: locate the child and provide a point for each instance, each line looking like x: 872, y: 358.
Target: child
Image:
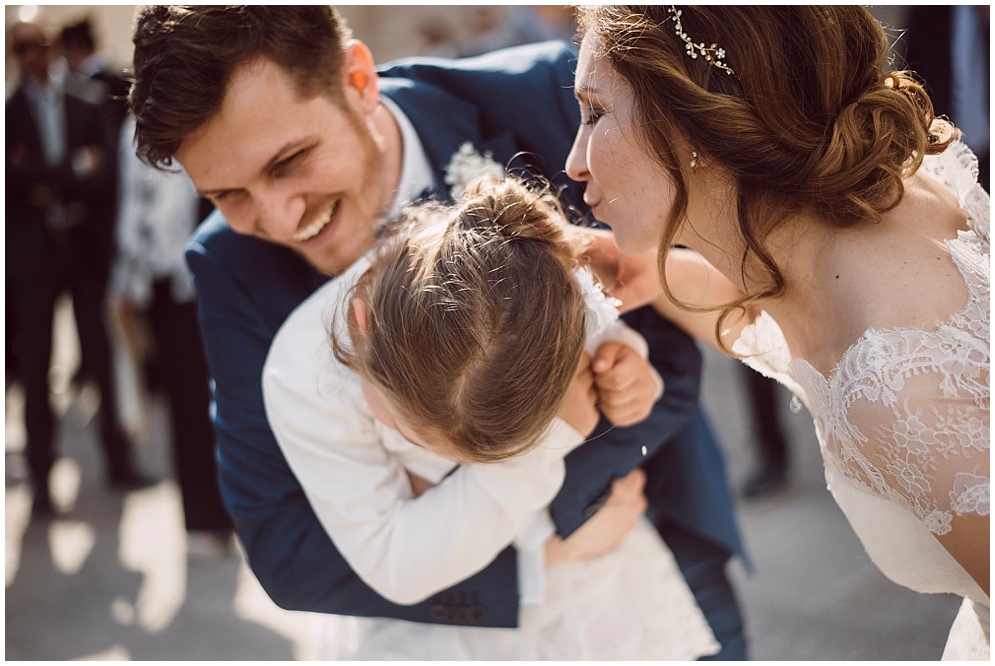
x: 457, y: 341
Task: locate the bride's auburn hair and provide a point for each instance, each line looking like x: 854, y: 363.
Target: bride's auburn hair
x: 474, y: 321
x: 810, y: 121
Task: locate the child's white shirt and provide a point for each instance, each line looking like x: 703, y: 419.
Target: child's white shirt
x: 354, y: 470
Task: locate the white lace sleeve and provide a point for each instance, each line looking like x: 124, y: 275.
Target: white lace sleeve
x: 919, y: 434
x: 956, y: 168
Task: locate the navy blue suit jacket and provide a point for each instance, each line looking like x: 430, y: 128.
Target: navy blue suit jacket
x: 517, y: 104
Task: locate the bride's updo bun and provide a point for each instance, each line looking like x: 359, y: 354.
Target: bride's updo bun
x: 872, y: 145
x: 801, y: 114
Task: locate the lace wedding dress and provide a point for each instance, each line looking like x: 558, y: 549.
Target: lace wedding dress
x: 903, y: 422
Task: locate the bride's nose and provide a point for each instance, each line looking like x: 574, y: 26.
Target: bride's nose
x: 577, y: 159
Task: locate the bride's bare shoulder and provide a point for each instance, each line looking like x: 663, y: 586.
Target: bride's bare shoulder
x: 899, y: 272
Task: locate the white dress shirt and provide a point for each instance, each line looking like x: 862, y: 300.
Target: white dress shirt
x: 48, y: 108
x: 157, y: 212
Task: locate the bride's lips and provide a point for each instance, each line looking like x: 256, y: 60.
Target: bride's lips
x: 312, y: 233
x: 594, y: 209
x: 591, y: 201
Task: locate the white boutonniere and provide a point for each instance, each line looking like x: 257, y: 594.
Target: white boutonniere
x: 467, y: 165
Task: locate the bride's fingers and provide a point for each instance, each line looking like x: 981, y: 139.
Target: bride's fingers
x: 637, y: 282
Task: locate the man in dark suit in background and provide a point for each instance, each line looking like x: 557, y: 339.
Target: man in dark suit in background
x: 298, y: 202
x: 87, y: 73
x: 949, y: 46
x: 57, y: 167
x: 91, y: 75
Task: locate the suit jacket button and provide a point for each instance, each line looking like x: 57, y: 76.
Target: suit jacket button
x: 477, y: 613
x: 438, y: 611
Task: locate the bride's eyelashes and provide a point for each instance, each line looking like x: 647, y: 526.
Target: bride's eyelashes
x: 593, y: 115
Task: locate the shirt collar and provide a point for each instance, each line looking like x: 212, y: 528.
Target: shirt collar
x: 91, y: 65
x: 416, y: 171
x: 38, y: 92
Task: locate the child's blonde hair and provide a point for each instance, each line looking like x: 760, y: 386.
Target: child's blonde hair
x: 474, y: 321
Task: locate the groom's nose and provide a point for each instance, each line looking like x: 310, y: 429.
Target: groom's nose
x: 278, y: 213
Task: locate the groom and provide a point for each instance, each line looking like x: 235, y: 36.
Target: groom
x: 303, y: 145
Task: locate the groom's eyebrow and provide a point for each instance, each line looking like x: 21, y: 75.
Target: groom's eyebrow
x: 286, y: 149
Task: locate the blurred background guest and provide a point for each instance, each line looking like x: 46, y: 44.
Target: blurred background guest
x: 436, y: 39
x: 152, y: 287
x: 949, y: 46
x: 58, y: 169
x: 769, y: 473
x: 496, y: 27
x: 85, y: 73
x: 91, y: 75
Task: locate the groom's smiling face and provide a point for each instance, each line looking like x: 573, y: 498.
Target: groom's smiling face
x: 306, y: 173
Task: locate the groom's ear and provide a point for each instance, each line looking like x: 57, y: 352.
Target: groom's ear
x: 360, y: 77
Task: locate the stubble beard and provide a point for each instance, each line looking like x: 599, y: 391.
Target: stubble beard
x: 334, y: 263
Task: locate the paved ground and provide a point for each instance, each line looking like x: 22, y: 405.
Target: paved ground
x: 109, y: 579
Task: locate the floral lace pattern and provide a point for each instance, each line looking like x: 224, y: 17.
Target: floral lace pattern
x: 906, y: 412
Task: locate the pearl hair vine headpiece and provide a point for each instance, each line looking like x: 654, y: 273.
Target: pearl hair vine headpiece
x: 714, y: 54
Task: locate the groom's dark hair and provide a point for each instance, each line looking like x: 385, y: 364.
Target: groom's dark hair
x: 185, y: 56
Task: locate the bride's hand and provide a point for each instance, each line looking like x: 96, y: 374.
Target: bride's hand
x: 633, y: 279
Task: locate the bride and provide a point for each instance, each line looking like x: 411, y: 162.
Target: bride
x: 812, y: 217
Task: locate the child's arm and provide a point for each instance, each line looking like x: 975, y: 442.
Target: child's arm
x: 404, y: 548
x: 626, y: 383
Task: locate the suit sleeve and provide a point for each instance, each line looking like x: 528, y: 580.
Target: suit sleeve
x: 287, y: 548
x: 24, y: 167
x: 97, y: 184
x: 613, y: 452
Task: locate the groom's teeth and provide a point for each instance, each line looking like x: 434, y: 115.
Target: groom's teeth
x: 315, y: 227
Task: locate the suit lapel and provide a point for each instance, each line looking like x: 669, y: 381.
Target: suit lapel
x: 73, y: 117
x: 444, y: 123
x: 24, y: 115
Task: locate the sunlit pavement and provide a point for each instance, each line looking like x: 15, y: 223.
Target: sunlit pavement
x: 109, y: 577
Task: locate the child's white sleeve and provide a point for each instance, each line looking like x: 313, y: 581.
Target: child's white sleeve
x: 604, y: 325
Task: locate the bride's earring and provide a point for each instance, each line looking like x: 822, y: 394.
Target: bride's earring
x: 694, y: 160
